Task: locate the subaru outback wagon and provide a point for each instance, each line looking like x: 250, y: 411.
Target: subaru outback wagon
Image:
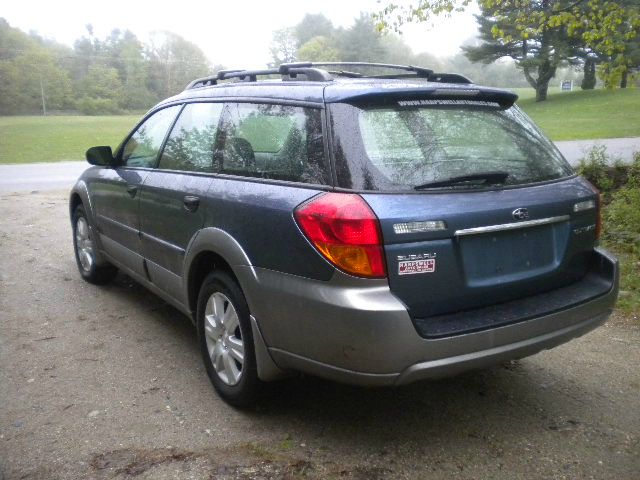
x: 371, y: 228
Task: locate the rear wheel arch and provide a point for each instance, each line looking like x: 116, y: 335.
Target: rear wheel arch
x: 203, y: 264
x: 210, y: 248
x: 207, y: 263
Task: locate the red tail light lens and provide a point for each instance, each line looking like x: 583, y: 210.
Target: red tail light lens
x: 344, y: 229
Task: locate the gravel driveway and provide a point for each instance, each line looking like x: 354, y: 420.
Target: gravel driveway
x: 106, y: 382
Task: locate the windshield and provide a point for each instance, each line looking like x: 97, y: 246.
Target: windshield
x: 400, y: 148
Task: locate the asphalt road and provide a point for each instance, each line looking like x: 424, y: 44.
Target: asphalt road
x: 617, y: 148
x: 51, y: 176
x: 107, y: 382
x: 40, y: 176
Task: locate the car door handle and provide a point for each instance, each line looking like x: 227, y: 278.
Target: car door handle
x: 191, y: 203
x: 132, y: 190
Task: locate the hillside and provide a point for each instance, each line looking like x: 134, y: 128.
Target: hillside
x: 586, y: 114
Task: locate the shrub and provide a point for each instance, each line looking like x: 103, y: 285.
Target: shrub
x: 622, y: 234
x: 98, y: 106
x: 622, y: 215
x: 606, y: 173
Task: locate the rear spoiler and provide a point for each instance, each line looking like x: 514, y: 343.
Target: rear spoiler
x: 417, y: 96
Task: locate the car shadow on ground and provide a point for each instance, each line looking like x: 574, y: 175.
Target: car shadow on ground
x: 489, y: 406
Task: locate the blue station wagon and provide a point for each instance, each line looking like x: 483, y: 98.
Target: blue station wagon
x: 367, y: 223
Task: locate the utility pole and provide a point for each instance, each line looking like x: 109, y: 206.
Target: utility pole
x: 44, y: 105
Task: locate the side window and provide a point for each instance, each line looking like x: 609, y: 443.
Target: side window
x: 192, y: 141
x: 141, y: 150
x: 279, y: 142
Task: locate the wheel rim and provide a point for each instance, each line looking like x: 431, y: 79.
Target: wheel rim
x: 84, y: 245
x: 224, y: 338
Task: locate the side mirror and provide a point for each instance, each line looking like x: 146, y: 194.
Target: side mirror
x: 101, y: 156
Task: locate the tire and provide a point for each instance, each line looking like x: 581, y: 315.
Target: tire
x: 83, y: 247
x: 226, y: 340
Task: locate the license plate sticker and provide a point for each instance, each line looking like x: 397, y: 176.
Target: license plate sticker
x: 411, y: 267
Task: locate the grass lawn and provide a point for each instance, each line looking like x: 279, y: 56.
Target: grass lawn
x: 55, y: 138
x: 585, y: 115
x: 573, y: 115
x: 629, y: 297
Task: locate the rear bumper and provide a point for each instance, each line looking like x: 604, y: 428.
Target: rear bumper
x: 356, y: 331
x: 484, y: 358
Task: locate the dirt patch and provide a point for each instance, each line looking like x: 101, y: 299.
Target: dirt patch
x: 107, y: 383
x: 243, y: 462
x: 132, y: 463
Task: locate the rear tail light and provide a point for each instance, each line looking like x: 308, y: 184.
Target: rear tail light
x: 344, y: 229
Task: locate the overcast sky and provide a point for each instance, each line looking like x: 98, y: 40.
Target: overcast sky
x: 235, y: 33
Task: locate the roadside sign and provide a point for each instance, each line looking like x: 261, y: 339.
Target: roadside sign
x: 566, y: 85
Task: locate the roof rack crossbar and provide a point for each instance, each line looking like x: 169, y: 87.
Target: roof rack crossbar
x: 202, y: 82
x: 419, y: 71
x: 312, y: 74
x: 247, y: 75
x: 222, y: 73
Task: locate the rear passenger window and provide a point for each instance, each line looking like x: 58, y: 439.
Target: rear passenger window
x: 191, y: 144
x: 279, y: 142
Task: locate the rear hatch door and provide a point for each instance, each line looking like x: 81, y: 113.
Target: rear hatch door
x: 476, y: 205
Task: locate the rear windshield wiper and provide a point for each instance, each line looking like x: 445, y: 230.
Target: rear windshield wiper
x: 486, y: 178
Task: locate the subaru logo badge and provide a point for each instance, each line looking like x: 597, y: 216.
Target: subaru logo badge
x: 520, y: 214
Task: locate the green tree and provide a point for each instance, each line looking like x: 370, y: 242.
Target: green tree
x: 101, y: 90
x: 283, y: 47
x: 395, y: 50
x: 313, y: 25
x: 604, y: 26
x: 173, y: 63
x: 361, y: 42
x: 124, y: 52
x: 611, y: 29
x: 32, y: 81
x: 537, y: 51
x: 319, y: 49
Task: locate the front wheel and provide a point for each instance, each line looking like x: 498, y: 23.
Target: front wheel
x: 84, y: 248
x: 226, y: 340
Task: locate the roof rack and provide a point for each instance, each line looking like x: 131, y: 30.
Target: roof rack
x: 311, y: 72
x: 411, y: 71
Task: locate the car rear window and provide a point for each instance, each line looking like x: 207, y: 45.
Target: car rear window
x: 395, y: 147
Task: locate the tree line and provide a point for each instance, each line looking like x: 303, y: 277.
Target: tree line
x: 541, y: 36
x: 121, y: 73
x: 315, y: 38
x: 95, y: 76
x: 513, y: 48
x: 541, y: 40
